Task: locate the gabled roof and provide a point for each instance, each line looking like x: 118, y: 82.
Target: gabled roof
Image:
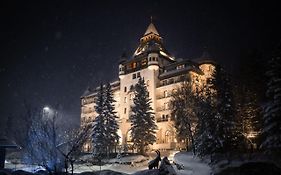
x: 151, y: 29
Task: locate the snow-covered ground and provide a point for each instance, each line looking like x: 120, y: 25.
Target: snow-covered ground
x: 119, y: 165
x: 192, y: 165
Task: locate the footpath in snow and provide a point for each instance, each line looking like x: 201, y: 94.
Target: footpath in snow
x: 192, y: 165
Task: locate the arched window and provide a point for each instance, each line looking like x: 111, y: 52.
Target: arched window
x: 168, y: 137
x: 129, y: 136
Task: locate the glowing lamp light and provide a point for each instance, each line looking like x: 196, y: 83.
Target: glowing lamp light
x: 46, y: 108
x: 252, y: 134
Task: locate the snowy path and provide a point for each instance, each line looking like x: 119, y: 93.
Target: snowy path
x: 192, y: 165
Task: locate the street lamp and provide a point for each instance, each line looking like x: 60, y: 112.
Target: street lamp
x: 46, y: 108
x: 46, y: 111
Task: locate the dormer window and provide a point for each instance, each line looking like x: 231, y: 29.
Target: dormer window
x: 180, y: 66
x: 143, y: 62
x: 134, y: 65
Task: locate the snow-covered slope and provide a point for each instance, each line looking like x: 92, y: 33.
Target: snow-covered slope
x: 192, y: 165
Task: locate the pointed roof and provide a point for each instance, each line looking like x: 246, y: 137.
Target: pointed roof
x: 206, y: 57
x: 151, y: 29
x: 206, y: 54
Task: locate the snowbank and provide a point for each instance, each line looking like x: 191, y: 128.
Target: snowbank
x: 191, y: 165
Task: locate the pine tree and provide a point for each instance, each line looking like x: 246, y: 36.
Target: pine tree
x: 142, y: 119
x: 183, y: 104
x: 228, y: 134
x: 250, y: 113
x: 99, y: 132
x: 272, y: 111
x: 110, y: 119
x: 206, y: 138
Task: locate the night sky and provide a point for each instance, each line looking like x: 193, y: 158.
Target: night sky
x: 52, y: 51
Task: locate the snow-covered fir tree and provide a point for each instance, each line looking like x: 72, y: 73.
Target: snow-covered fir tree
x: 183, y: 104
x: 110, y: 119
x: 272, y: 111
x: 43, y: 140
x: 207, y: 139
x: 99, y: 131
x: 142, y: 119
x: 249, y: 113
x: 228, y: 133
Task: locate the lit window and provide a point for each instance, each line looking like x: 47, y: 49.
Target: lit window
x: 134, y: 65
x: 143, y: 62
x: 134, y: 76
x: 165, y: 93
x: 166, y: 106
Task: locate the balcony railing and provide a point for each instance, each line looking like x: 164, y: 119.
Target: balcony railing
x: 162, y: 120
x: 162, y: 109
x: 163, y: 96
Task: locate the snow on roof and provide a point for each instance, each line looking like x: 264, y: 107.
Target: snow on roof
x: 151, y: 29
x: 87, y: 92
x: 5, y: 143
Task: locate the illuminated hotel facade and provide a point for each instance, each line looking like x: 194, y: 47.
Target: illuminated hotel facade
x: 163, y: 74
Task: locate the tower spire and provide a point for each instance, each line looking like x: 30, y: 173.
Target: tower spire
x: 151, y: 29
